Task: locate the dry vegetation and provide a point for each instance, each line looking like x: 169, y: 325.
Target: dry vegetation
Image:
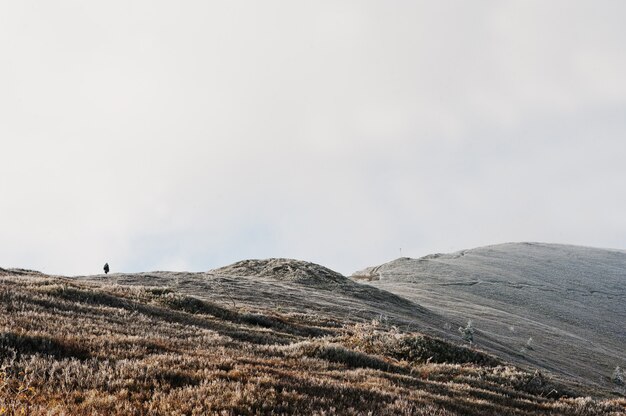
x: 69, y: 348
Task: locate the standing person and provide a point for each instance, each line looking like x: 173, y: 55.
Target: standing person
x: 106, y: 268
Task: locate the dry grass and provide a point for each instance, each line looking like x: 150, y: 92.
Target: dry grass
x: 76, y: 349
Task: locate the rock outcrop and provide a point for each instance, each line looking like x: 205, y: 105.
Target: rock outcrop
x: 283, y: 269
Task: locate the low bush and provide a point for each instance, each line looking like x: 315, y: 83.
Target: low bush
x: 415, y: 347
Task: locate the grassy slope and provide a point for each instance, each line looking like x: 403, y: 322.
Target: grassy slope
x: 68, y: 346
x: 569, y: 300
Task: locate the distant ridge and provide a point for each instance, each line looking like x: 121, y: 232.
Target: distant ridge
x: 4, y: 272
x: 555, y: 306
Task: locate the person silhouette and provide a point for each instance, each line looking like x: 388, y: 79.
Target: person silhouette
x: 106, y: 268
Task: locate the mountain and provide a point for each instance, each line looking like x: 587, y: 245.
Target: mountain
x: 275, y: 336
x: 559, y: 308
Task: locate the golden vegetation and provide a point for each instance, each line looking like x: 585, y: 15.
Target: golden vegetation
x: 75, y: 349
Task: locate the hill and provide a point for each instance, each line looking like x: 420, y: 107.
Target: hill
x: 244, y: 340
x: 555, y: 307
x: 286, y: 285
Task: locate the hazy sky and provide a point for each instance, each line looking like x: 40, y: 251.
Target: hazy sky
x: 186, y: 135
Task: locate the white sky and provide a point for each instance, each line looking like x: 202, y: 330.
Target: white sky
x: 186, y: 135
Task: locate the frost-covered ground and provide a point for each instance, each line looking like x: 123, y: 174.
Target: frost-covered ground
x: 556, y: 307
x: 287, y: 285
x: 283, y: 336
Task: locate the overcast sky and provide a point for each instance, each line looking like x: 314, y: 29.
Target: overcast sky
x: 185, y: 135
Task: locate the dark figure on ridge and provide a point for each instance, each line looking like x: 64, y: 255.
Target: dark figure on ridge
x: 106, y: 268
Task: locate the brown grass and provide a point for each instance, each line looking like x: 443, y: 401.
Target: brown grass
x: 74, y: 349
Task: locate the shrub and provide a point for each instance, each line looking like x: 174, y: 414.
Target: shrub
x: 618, y: 376
x: 468, y: 332
x: 414, y: 347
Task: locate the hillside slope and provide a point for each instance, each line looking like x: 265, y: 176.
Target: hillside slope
x: 80, y: 347
x: 555, y: 307
x: 286, y: 285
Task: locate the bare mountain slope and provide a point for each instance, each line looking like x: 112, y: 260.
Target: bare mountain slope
x: 560, y: 308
